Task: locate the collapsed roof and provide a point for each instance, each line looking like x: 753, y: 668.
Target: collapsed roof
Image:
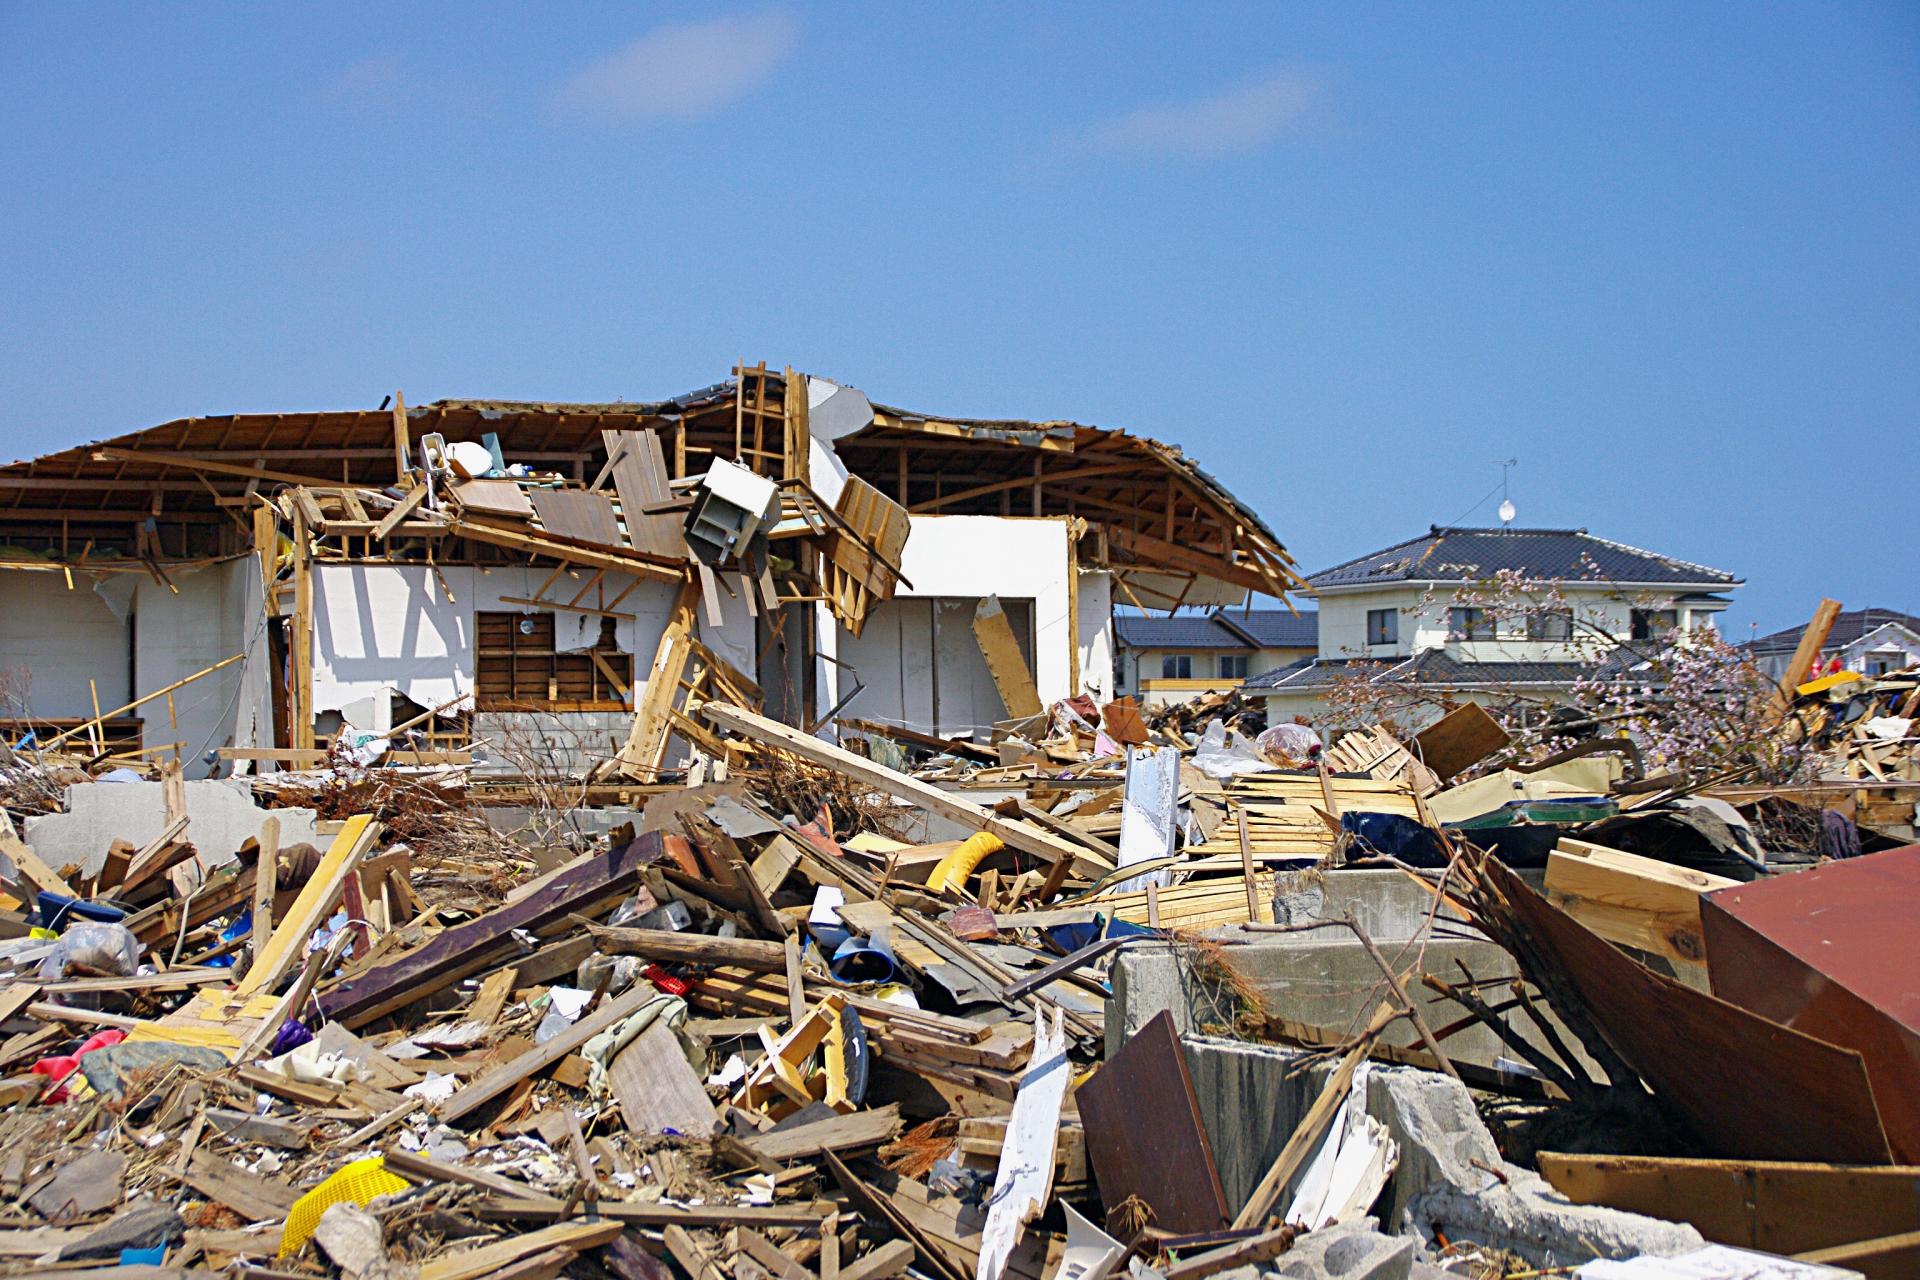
x: 1173, y: 532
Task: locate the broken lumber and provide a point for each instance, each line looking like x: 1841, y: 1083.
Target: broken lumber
x: 312, y: 907
x: 583, y: 887
x: 538, y: 1058
x: 1041, y: 844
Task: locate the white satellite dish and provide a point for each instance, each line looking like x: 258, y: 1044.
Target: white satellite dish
x: 1507, y: 513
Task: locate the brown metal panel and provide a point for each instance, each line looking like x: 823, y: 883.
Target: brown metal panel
x: 571, y: 513
x: 1833, y: 952
x: 640, y: 478
x: 1145, y: 1136
x: 1753, y: 1089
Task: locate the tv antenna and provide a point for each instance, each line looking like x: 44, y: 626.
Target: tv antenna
x: 1507, y: 513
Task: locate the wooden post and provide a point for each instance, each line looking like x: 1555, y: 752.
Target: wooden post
x: 302, y: 718
x: 903, y: 477
x: 1246, y: 864
x: 173, y: 724
x: 1805, y: 654
x: 97, y: 733
x: 1073, y: 609
x: 400, y: 440
x: 265, y: 881
x: 1039, y: 461
x: 680, y: 450
x: 266, y: 544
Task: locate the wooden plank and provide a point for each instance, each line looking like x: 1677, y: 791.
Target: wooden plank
x: 422, y: 1169
x: 29, y: 863
x: 266, y: 880
x: 1040, y: 844
x: 401, y: 440
x: 1023, y: 1182
x: 762, y: 1251
x: 1458, y: 740
x: 495, y: 496
x: 1778, y: 1207
x: 657, y: 1089
x: 256, y: 1198
x: 850, y: 1132
x: 890, y: 1259
x: 646, y: 746
x: 1640, y: 902
x: 313, y: 906
x: 690, y: 948
x: 573, y: 513
x: 385, y: 526
x: 1002, y: 652
x: 1812, y: 640
x: 640, y: 478
x: 477, y: 944
x: 540, y: 1057
x: 1168, y: 1164
x: 488, y: 1259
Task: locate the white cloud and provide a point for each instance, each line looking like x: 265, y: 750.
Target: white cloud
x: 1239, y: 119
x: 682, y: 71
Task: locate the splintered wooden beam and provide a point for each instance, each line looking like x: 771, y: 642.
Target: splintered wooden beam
x: 1040, y: 844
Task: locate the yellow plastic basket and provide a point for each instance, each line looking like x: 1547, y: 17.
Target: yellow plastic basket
x: 359, y: 1182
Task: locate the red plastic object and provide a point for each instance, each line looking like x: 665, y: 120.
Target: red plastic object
x: 665, y: 981
x: 57, y: 1069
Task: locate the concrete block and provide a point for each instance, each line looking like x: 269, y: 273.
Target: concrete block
x: 1252, y: 1097
x: 1326, y: 979
x: 1389, y: 905
x: 221, y: 817
x: 1350, y: 1251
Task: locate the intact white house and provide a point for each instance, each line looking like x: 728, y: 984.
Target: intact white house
x: 1399, y: 609
x: 1873, y: 642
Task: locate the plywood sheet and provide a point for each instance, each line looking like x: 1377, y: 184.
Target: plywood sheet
x: 1145, y: 1136
x: 494, y: 498
x: 640, y: 478
x: 1751, y: 1088
x: 572, y: 513
x: 657, y: 1090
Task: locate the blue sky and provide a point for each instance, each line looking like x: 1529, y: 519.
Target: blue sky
x: 1348, y: 256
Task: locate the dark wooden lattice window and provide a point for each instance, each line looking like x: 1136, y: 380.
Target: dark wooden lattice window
x: 517, y: 667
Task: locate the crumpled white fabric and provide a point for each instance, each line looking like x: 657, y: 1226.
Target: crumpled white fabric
x: 602, y: 1049
x: 308, y: 1065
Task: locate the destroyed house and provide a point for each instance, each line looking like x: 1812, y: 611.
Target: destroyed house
x: 1431, y: 611
x: 1874, y: 642
x: 522, y: 582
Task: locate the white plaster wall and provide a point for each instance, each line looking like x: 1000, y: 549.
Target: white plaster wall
x: 1010, y: 556
x: 64, y: 638
x: 1096, y: 635
x: 381, y: 629
x: 1343, y: 625
x: 214, y: 616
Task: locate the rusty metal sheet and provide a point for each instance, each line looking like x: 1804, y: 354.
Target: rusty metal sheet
x: 1753, y: 1089
x: 1145, y: 1136
x: 1833, y: 952
x: 572, y: 513
x: 640, y: 478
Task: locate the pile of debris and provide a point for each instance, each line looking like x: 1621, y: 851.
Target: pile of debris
x: 846, y: 1012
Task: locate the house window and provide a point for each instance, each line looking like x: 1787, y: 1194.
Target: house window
x: 1652, y: 624
x: 1383, y: 626
x: 1550, y: 624
x: 1233, y: 666
x: 1469, y: 624
x: 516, y: 667
x: 1119, y: 670
x: 1176, y: 666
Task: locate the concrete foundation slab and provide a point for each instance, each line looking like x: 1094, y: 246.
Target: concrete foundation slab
x: 1351, y: 1251
x: 1251, y: 1097
x: 221, y: 817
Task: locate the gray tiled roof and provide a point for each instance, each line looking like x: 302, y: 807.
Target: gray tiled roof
x: 1847, y: 627
x: 1566, y: 555
x: 1222, y: 629
x: 1432, y: 667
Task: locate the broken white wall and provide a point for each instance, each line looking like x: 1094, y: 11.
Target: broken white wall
x: 66, y: 637
x: 384, y: 629
x: 906, y: 651
x: 1096, y: 635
